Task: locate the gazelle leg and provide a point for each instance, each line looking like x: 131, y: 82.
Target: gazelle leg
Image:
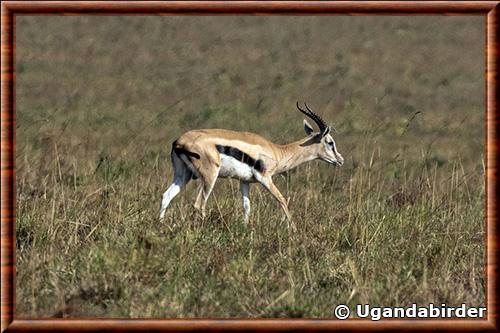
x: 208, y: 179
x: 245, y: 192
x: 171, y: 192
x: 268, y: 184
x: 182, y: 175
x: 197, y: 203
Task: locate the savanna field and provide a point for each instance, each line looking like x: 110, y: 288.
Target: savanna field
x: 100, y: 99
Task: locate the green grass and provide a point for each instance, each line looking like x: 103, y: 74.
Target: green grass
x: 100, y: 99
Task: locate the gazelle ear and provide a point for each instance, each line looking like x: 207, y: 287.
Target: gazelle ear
x: 308, y: 128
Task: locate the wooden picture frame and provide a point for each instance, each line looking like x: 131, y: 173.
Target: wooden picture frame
x: 11, y: 9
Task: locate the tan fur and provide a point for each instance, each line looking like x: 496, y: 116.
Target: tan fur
x: 203, y: 142
x: 276, y: 159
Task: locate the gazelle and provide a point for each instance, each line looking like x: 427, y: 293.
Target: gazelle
x: 206, y: 154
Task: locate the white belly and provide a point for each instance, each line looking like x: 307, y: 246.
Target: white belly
x: 230, y: 167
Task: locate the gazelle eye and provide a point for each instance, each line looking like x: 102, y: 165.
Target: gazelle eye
x: 330, y: 143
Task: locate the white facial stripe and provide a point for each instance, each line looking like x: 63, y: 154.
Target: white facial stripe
x: 335, y: 147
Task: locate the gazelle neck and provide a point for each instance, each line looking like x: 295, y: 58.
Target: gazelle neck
x: 294, y: 154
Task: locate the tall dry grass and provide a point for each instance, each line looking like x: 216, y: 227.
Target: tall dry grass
x: 99, y: 99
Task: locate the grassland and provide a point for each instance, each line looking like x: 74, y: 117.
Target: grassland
x: 100, y: 99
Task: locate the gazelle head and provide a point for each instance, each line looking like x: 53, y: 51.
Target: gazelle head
x: 320, y: 143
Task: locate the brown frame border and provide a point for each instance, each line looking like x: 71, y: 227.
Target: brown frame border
x: 9, y: 9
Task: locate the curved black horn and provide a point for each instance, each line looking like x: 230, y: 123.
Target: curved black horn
x: 322, y: 124
x: 323, y: 127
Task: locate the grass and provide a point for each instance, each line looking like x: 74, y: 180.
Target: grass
x: 100, y: 99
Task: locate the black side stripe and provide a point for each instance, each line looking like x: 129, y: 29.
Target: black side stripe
x: 242, y: 157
